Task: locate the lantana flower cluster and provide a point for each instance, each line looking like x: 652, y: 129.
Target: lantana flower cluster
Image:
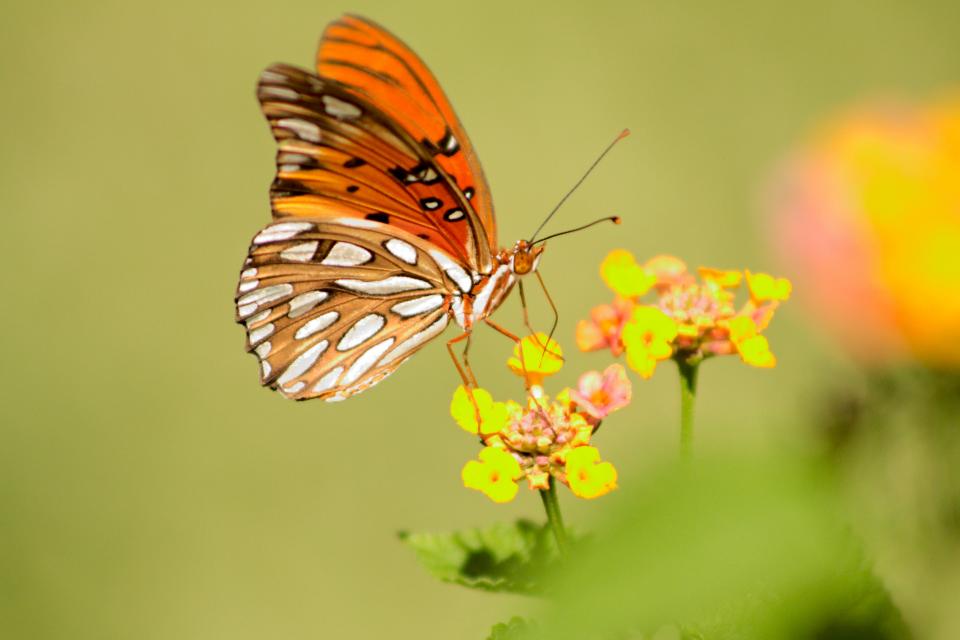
x: 545, y: 437
x: 663, y: 311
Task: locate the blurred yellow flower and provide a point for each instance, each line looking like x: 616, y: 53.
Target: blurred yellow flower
x: 722, y: 277
x: 540, y: 357
x: 868, y: 214
x: 624, y: 276
x: 495, y: 475
x: 764, y: 287
x: 587, y: 476
x: 648, y: 339
x: 493, y: 415
x: 752, y: 347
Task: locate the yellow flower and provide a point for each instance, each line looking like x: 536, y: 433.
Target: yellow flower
x: 752, y: 347
x: 495, y: 475
x: 624, y: 276
x: 587, y: 476
x: 647, y: 338
x: 493, y: 415
x: 724, y: 278
x: 540, y: 358
x: 765, y: 288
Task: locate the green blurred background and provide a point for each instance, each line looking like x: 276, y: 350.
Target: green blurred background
x: 150, y: 489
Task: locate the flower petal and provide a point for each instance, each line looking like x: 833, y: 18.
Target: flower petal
x: 624, y: 276
x: 586, y: 476
x: 540, y: 356
x: 493, y: 415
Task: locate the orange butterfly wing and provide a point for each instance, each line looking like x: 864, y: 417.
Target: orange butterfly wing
x: 377, y: 66
x: 340, y: 155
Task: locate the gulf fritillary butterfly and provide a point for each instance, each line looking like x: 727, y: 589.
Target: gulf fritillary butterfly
x: 383, y: 222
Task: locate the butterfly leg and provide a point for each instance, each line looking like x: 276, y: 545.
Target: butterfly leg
x: 466, y: 373
x: 516, y: 339
x: 556, y: 316
x: 523, y: 306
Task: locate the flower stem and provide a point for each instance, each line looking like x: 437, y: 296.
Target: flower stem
x: 688, y: 392
x: 552, y: 506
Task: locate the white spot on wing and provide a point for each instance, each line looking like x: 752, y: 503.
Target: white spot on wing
x: 303, y: 362
x: 305, y: 302
x: 328, y: 380
x: 393, y: 284
x: 366, y: 361
x: 417, y: 306
x: 246, y: 309
x: 302, y: 252
x: 248, y: 285
x: 304, y: 130
x: 364, y: 329
x: 340, y: 108
x: 265, y: 369
x: 260, y: 317
x: 417, y: 339
x: 345, y: 254
x: 281, y: 231
x: 267, y: 294
x: 295, y: 387
x: 452, y: 269
x: 359, y: 223
x: 263, y: 350
x: 249, y: 273
x: 403, y: 250
x: 272, y: 76
x: 314, y: 325
x: 260, y: 333
x: 279, y: 92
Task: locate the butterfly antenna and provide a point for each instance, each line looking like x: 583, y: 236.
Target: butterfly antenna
x: 623, y: 134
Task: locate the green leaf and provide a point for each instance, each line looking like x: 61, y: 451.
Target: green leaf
x: 516, y: 629
x: 502, y: 557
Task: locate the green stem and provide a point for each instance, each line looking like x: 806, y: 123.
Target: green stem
x: 552, y: 506
x: 688, y: 395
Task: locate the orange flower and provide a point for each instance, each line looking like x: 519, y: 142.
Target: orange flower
x: 604, y: 329
x: 868, y: 218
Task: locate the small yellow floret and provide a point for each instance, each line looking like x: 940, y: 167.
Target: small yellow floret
x: 493, y: 415
x: 587, y: 476
x: 647, y: 338
x: 624, y: 276
x: 495, y: 475
x: 540, y: 357
x: 754, y: 349
x: 765, y: 288
x: 724, y: 278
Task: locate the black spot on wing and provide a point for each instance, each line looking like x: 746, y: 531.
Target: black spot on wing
x: 378, y: 216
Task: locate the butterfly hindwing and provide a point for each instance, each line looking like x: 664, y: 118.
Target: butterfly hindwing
x: 333, y: 305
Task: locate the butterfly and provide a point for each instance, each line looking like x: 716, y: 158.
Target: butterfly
x: 383, y: 226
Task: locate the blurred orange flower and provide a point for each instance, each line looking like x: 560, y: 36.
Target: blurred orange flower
x: 868, y: 214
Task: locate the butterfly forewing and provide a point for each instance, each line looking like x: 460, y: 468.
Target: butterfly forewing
x: 340, y: 155
x: 375, y: 65
x: 332, y: 306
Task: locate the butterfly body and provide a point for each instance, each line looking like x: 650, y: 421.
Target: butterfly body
x: 383, y: 227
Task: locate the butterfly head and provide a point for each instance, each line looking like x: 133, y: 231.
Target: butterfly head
x: 524, y: 257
